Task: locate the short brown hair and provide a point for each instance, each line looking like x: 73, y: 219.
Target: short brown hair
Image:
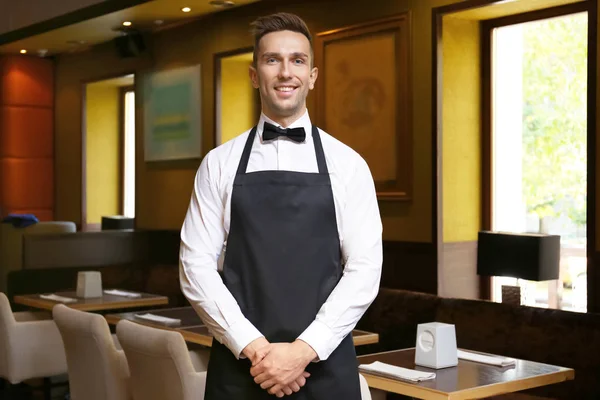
x: 275, y: 23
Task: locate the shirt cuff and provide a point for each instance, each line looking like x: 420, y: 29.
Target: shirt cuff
x: 319, y: 337
x: 240, y: 335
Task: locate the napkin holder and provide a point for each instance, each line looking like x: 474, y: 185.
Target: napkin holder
x: 436, y: 345
x: 89, y: 284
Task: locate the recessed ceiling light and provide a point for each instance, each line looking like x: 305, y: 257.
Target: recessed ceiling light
x: 23, y: 51
x: 186, y: 9
x: 127, y: 23
x: 221, y: 3
x: 159, y: 22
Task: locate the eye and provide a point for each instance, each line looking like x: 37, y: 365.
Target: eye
x: 298, y: 61
x: 271, y: 60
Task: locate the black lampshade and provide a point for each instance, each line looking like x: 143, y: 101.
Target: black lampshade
x: 117, y: 222
x: 530, y: 256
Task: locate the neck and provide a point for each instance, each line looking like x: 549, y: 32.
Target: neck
x: 285, y: 120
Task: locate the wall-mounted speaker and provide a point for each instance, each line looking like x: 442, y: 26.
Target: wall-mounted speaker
x: 130, y: 45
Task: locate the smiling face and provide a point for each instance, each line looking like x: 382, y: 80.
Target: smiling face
x: 284, y: 75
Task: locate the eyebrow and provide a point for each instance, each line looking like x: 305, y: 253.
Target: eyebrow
x: 297, y: 54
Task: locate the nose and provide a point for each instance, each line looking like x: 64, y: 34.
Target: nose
x: 284, y: 70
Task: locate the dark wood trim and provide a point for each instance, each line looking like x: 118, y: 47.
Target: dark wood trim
x: 217, y: 85
x: 105, y: 77
x: 537, y: 15
x: 436, y: 139
x: 593, y: 277
x: 409, y: 266
x: 83, y: 156
x: 485, y: 282
x: 83, y: 14
x: 463, y: 6
x: 487, y: 28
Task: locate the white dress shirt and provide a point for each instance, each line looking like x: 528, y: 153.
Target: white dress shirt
x: 206, y: 226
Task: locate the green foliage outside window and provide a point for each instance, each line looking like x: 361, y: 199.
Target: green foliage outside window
x: 554, y: 117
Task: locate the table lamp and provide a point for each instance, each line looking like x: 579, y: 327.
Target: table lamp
x: 529, y: 256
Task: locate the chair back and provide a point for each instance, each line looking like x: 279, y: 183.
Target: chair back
x: 7, y: 328
x: 365, y: 393
x: 97, y: 369
x: 159, y: 363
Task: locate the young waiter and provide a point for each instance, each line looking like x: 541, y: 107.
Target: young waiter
x: 281, y: 245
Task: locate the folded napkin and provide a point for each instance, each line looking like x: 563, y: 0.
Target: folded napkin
x: 481, y: 358
x: 55, y: 297
x: 394, y: 372
x: 117, y: 292
x: 159, y: 319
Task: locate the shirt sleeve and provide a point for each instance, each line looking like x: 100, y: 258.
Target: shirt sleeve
x: 202, y: 239
x: 362, y: 255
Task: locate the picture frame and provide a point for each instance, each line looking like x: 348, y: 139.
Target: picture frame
x: 363, y: 98
x: 172, y: 114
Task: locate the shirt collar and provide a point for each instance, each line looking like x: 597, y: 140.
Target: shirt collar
x: 303, y: 121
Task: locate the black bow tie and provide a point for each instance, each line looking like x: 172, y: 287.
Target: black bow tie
x: 271, y: 132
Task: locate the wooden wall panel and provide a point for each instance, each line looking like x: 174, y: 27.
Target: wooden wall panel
x: 27, y: 136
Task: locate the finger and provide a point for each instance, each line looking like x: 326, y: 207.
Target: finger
x: 300, y: 381
x: 265, y: 379
x: 279, y: 394
x: 268, y: 384
x: 287, y: 390
x: 259, y: 356
x: 294, y: 386
x: 259, y: 369
x: 306, y: 374
x: 276, y: 389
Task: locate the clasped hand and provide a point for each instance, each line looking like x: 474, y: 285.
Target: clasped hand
x: 279, y: 368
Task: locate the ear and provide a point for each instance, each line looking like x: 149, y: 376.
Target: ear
x: 313, y: 78
x: 253, y: 76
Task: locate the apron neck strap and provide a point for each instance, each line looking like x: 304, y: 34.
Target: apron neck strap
x: 243, y: 165
x: 319, y: 151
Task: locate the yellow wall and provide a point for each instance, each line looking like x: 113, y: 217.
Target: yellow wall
x: 163, y: 189
x: 237, y: 97
x: 102, y: 151
x: 461, y: 131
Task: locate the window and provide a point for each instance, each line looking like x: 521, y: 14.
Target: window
x: 539, y: 147
x: 129, y: 154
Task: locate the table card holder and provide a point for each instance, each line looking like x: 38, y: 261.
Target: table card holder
x: 436, y: 345
x: 89, y: 284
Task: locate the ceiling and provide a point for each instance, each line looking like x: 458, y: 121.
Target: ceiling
x: 150, y: 16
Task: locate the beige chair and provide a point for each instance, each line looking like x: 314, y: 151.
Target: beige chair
x: 367, y: 393
x: 30, y: 345
x: 159, y: 363
x: 200, y: 356
x: 97, y: 369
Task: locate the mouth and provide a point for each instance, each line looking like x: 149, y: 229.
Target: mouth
x: 285, y: 91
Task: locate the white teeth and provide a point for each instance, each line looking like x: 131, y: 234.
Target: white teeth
x: 285, y: 89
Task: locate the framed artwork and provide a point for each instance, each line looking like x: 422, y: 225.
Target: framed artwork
x: 363, y: 98
x: 172, y: 120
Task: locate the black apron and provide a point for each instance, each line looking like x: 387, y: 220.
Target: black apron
x: 281, y: 263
